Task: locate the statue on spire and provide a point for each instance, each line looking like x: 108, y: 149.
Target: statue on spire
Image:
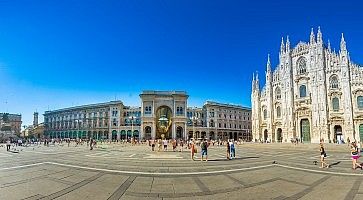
x: 287, y: 44
x: 312, y: 36
x: 343, y: 45
x: 268, y: 65
x: 282, y: 48
x: 320, y: 36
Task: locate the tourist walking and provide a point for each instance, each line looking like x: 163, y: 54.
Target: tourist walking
x: 323, y: 156
x: 8, y: 145
x: 193, y: 150
x: 355, y: 156
x: 228, y: 151
x: 181, y: 144
x: 91, y: 144
x: 174, y: 144
x: 152, y: 145
x: 233, y: 150
x: 165, y: 143
x: 204, y: 150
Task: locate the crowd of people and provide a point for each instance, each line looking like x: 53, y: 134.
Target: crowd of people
x: 193, y: 145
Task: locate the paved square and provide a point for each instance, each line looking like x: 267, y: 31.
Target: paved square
x: 115, y: 171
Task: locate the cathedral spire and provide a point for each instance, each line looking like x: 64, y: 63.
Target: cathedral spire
x: 329, y: 47
x: 268, y: 65
x: 253, y: 81
x: 282, y: 48
x: 343, y: 45
x: 312, y: 36
x: 287, y: 44
x: 257, y: 82
x: 320, y: 36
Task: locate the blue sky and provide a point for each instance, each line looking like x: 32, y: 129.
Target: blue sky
x: 61, y: 53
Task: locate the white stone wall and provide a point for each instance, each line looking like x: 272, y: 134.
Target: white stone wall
x: 322, y: 64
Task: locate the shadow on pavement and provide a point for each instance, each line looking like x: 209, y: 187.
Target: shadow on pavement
x: 224, y: 159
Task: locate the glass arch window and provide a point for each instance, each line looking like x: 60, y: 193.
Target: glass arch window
x: 360, y: 102
x: 278, y: 93
x: 301, y: 65
x: 334, y: 84
x: 278, y: 111
x: 335, y: 102
x: 264, y: 114
x: 302, y: 91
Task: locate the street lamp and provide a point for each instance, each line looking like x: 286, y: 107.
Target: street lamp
x: 193, y: 118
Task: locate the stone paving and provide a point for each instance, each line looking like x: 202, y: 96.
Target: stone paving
x: 115, y: 171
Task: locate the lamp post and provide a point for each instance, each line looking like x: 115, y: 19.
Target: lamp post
x: 193, y: 118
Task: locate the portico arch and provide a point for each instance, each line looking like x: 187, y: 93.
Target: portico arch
x: 265, y: 135
x: 179, y: 132
x: 279, y: 135
x: 338, y: 134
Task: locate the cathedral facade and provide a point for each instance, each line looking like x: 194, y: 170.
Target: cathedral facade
x: 313, y: 94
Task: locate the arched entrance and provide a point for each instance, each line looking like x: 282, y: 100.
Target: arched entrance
x: 265, y: 135
x: 179, y: 132
x: 122, y: 135
x: 305, y: 130
x: 279, y: 135
x: 211, y: 135
x: 203, y: 134
x: 338, y: 134
x: 163, y: 122
x: 136, y: 134
x: 190, y: 135
x: 114, y: 135
x: 147, y: 132
x: 361, y: 132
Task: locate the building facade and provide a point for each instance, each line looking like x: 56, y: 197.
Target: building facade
x: 10, y: 123
x: 220, y: 121
x: 314, y: 93
x: 163, y: 114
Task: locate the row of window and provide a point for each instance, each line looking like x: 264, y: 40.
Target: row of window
x: 335, y: 106
x: 334, y: 84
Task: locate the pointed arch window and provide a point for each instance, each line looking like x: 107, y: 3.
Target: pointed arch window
x: 302, y: 91
x: 334, y: 84
x: 264, y: 114
x: 301, y: 65
x: 360, y: 102
x: 278, y: 111
x: 335, y: 102
x: 278, y: 93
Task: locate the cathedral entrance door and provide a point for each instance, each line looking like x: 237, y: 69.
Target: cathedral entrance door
x: 279, y: 135
x: 265, y: 136
x: 361, y: 132
x: 305, y: 130
x: 338, y: 134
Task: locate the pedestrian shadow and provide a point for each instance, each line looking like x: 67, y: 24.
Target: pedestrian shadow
x: 243, y: 158
x: 336, y: 163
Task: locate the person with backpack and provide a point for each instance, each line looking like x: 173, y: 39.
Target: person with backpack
x: 204, y: 150
x: 323, y: 156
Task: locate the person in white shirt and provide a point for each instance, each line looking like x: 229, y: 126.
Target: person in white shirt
x: 165, y: 143
x: 8, y: 145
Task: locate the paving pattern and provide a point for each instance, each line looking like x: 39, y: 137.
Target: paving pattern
x: 115, y: 171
